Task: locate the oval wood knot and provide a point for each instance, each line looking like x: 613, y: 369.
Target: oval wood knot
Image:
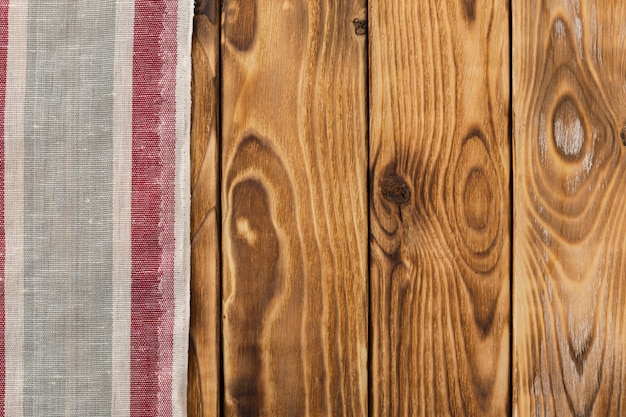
x: 623, y: 134
x: 395, y: 189
x: 360, y: 26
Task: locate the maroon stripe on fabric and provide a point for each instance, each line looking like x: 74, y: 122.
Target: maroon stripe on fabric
x: 153, y: 208
x: 4, y: 40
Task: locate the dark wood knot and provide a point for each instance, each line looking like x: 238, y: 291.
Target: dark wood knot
x: 623, y: 134
x: 206, y: 8
x: 360, y: 26
x: 395, y: 189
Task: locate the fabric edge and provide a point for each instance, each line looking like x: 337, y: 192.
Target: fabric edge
x: 183, y: 205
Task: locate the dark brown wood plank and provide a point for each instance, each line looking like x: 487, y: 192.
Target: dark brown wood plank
x: 204, y: 396
x: 569, y: 109
x: 294, y: 201
x: 440, y: 204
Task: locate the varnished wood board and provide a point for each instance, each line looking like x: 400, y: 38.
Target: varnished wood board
x: 204, y: 396
x: 294, y: 200
x: 440, y: 208
x: 569, y: 94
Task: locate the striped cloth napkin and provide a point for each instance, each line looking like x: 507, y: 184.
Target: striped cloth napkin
x: 94, y: 120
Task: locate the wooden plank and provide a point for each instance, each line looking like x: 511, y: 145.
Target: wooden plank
x: 294, y: 161
x: 204, y: 396
x: 440, y: 204
x: 569, y: 288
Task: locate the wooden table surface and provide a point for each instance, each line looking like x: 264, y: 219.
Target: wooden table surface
x: 408, y: 208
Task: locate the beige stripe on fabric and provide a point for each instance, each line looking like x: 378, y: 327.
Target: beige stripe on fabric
x: 122, y: 188
x: 14, y: 207
x: 182, y: 197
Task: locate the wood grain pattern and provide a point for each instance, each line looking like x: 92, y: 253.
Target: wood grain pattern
x: 440, y: 222
x: 569, y: 266
x: 294, y: 161
x: 204, y: 396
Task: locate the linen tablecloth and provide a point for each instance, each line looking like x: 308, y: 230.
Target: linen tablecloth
x: 94, y: 120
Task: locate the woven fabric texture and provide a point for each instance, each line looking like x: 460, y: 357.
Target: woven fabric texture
x: 94, y: 174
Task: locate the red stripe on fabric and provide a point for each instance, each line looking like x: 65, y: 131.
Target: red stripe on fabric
x: 153, y: 207
x: 4, y: 41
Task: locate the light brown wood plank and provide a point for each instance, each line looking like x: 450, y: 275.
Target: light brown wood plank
x: 440, y: 204
x: 204, y: 396
x: 294, y: 201
x: 569, y: 267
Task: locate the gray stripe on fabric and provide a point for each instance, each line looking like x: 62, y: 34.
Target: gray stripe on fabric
x: 68, y: 175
